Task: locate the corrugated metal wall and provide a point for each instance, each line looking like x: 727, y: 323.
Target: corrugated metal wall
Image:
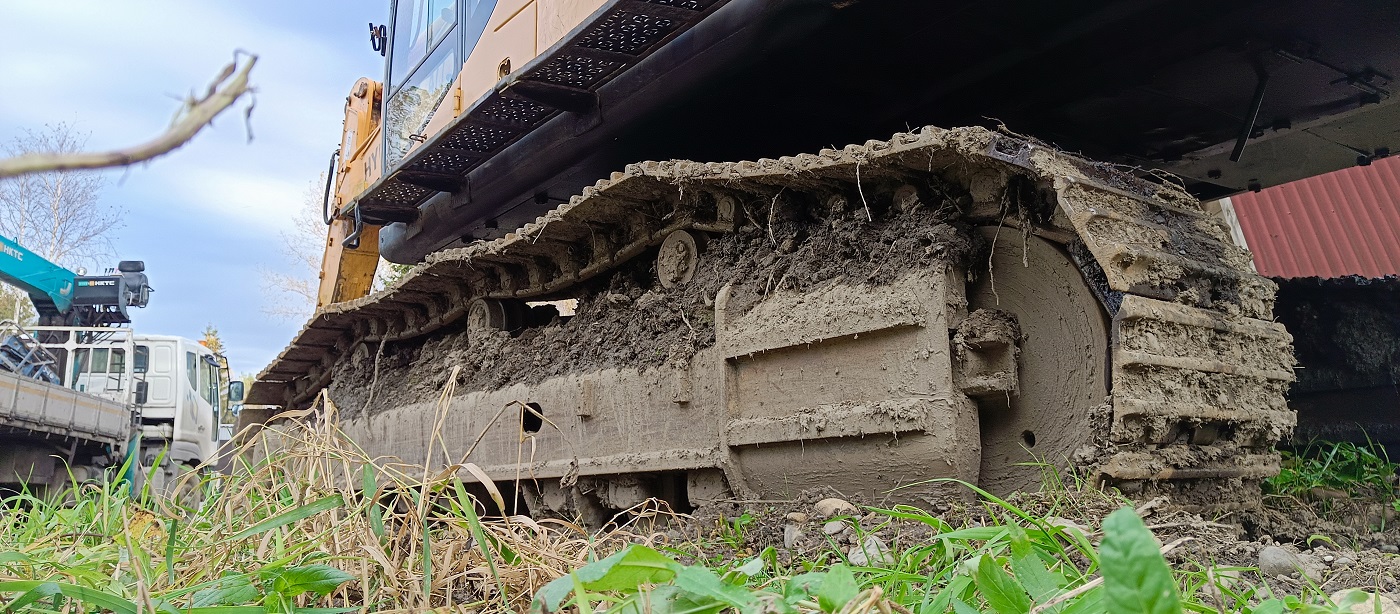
x: 1333, y: 225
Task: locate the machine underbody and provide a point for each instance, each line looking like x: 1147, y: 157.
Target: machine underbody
x: 946, y: 304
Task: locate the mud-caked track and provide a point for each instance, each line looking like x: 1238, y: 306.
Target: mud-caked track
x: 946, y: 304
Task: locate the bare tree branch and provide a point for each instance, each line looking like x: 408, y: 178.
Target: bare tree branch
x: 231, y: 84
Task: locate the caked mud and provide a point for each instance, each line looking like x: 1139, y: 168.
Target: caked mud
x: 630, y: 321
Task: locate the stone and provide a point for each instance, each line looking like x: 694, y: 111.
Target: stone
x: 826, y: 508
x: 1387, y: 605
x: 1342, y: 561
x: 871, y: 552
x: 797, y: 517
x: 834, y: 527
x: 1276, y: 561
x: 1390, y: 548
x: 791, y: 535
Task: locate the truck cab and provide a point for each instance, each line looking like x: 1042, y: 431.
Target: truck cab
x: 178, y: 387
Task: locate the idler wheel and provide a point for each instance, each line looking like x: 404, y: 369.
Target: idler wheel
x: 676, y: 261
x: 1063, y: 361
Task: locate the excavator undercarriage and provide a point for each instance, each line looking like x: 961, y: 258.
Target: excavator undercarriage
x: 947, y: 304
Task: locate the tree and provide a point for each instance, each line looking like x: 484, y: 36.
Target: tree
x: 212, y: 341
x: 57, y: 214
x: 291, y: 292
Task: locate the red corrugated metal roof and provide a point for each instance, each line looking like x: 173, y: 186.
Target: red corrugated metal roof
x: 1333, y: 225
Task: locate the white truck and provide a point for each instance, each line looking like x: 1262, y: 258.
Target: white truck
x: 82, y: 394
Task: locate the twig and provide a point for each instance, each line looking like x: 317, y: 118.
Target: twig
x: 227, y: 88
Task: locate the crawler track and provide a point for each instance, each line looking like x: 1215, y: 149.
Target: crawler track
x: 1196, y: 370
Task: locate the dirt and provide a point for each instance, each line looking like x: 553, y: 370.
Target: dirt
x: 629, y: 320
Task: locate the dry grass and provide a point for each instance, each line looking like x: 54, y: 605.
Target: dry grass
x: 303, y: 494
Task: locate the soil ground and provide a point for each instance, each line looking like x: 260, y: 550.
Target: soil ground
x: 1328, y: 555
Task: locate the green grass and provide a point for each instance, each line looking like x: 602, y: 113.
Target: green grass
x: 317, y: 527
x: 1017, y: 563
x: 1330, y: 473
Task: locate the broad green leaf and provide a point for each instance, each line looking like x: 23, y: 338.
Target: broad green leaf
x: 669, y: 599
x: 286, y: 518
x: 1268, y: 606
x: 319, y: 579
x: 999, y: 589
x: 751, y: 567
x: 703, y: 583
x: 623, y: 571
x: 43, y: 590
x: 97, y: 598
x: 1135, y: 576
x: 838, y: 589
x: 230, y: 590
x: 802, y: 586
x: 1029, y: 569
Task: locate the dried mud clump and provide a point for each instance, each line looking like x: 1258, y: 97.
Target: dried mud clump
x: 628, y: 320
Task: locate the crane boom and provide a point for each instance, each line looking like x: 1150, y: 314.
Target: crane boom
x: 50, y: 286
x: 64, y: 298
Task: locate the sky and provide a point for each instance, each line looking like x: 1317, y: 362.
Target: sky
x: 209, y: 217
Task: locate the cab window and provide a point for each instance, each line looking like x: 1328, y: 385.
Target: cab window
x: 192, y: 370
x: 419, y: 25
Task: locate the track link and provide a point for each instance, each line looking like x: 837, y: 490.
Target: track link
x: 1198, y: 372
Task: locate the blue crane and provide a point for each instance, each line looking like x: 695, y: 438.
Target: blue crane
x: 64, y: 298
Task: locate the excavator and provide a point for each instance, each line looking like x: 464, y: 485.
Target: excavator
x: 1041, y: 291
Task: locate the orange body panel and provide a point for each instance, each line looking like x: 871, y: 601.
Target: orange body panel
x: 517, y: 32
x: 348, y: 274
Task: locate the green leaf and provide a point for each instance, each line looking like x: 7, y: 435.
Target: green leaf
x: 100, y: 599
x: 702, y: 582
x: 624, y: 571
x: 999, y: 589
x: 319, y: 579
x: 230, y: 590
x: 286, y: 518
x: 15, y: 557
x: 170, y: 550
x: 668, y: 599
x: 1268, y: 606
x: 465, y: 502
x: 45, y: 589
x: 369, y: 487
x: 1029, y: 569
x: 802, y: 586
x: 229, y: 609
x: 963, y: 608
x: 751, y: 567
x: 838, y: 589
x: 1091, y: 602
x: 1135, y: 576
x: 945, y: 597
